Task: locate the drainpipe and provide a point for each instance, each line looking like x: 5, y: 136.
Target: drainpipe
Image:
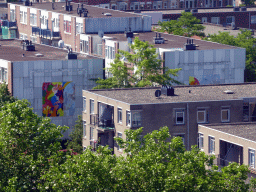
x: 249, y: 20
x: 188, y: 126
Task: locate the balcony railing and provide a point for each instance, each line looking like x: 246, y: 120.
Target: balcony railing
x: 6, y: 23
x: 103, y: 124
x: 45, y: 32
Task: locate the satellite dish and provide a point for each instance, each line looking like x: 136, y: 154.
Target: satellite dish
x: 158, y: 93
x: 61, y: 44
x: 101, y: 33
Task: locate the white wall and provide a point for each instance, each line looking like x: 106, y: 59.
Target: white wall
x: 208, y: 66
x: 118, y: 24
x: 29, y: 76
x: 156, y: 16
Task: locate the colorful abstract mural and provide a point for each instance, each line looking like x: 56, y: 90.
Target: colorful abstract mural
x: 193, y: 81
x: 53, y: 98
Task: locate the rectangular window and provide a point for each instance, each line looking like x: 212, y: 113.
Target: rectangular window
x: 25, y: 17
x: 79, y: 28
x: 33, y: 19
x: 84, y: 104
x: 119, y: 111
x: 252, y: 158
x: 21, y: 16
x: 253, y: 19
x: 12, y: 15
x: 67, y: 26
x: 91, y: 106
x: 230, y: 19
x: 128, y: 118
x: 120, y: 136
x: 201, y: 116
x: 225, y: 115
x: 211, y: 145
x: 84, y: 129
x: 179, y: 117
x: 201, y: 141
x: 204, y: 19
x: 91, y: 133
x: 33, y: 39
x: 136, y: 119
x: 215, y: 20
x: 84, y: 46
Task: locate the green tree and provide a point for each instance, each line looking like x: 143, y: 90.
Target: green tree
x: 151, y: 163
x: 77, y: 136
x: 5, y: 96
x: 148, y: 68
x: 26, y: 143
x: 244, y: 40
x: 248, y: 2
x: 186, y: 25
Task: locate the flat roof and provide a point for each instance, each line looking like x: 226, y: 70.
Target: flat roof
x: 221, y: 10
x: 198, y: 93
x: 93, y: 11
x: 244, y: 130
x: 11, y: 50
x: 172, y: 41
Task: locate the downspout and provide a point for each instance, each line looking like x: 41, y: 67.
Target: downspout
x: 188, y: 126
x: 249, y: 20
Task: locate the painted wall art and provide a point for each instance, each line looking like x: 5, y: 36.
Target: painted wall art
x: 193, y: 81
x: 58, y: 98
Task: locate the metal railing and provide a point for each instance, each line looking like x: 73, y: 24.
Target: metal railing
x: 6, y: 23
x: 45, y: 32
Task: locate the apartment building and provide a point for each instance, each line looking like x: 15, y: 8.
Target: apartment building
x: 51, y: 79
x: 108, y: 113
x: 207, y: 62
x: 234, y: 142
x: 242, y: 17
x: 60, y: 24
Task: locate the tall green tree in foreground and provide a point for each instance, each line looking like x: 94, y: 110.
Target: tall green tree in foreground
x: 149, y: 164
x: 5, y: 95
x: 26, y: 143
x: 148, y: 70
x: 244, y: 40
x: 77, y: 136
x: 185, y: 25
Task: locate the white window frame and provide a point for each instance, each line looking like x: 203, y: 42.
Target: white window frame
x: 211, y: 142
x: 67, y: 26
x: 33, y: 19
x: 253, y: 19
x: 119, y: 115
x: 204, y: 19
x: 205, y: 114
x: 228, y: 110
x: 33, y: 39
x: 133, y: 120
x: 3, y: 75
x: 84, y: 46
x: 12, y: 15
x: 176, y: 118
x: 92, y: 108
x: 91, y: 133
x: 84, y: 129
x: 84, y: 104
x: 218, y: 20
x: 22, y: 17
x: 201, y: 141
x: 128, y: 120
x: 119, y: 135
x: 251, y: 158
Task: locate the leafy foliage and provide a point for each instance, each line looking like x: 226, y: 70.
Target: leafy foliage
x: 148, y: 69
x: 149, y: 164
x: 244, y: 40
x: 5, y: 95
x: 186, y: 25
x: 77, y: 136
x: 26, y: 143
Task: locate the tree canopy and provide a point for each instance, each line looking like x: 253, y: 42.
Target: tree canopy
x: 147, y: 70
x: 26, y: 143
x: 149, y: 164
x: 185, y: 25
x: 244, y: 40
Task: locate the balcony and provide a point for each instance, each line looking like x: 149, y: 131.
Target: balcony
x: 101, y: 123
x: 6, y: 23
x: 45, y: 33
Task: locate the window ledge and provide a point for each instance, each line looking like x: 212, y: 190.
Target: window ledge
x: 68, y: 33
x: 23, y: 23
x: 33, y: 25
